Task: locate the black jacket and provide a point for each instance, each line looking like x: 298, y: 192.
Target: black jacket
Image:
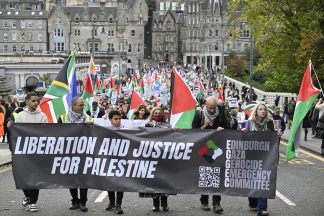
x: 219, y: 121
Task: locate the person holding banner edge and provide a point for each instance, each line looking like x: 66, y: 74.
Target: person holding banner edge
x: 77, y: 115
x: 212, y: 116
x: 115, y: 204
x: 31, y: 114
x: 260, y: 120
x: 157, y: 120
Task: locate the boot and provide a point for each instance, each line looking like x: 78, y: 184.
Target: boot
x: 156, y: 204
x: 217, y: 208
x: 164, y: 203
x: 83, y: 207
x: 75, y: 205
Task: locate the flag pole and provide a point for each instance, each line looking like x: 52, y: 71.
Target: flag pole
x: 316, y: 78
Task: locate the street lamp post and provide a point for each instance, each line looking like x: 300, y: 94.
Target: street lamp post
x: 251, y: 63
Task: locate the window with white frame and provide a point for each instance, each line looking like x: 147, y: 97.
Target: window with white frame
x: 14, y: 24
x: 133, y: 33
x: 5, y: 24
x: 5, y: 48
x: 245, y: 33
x: 23, y: 24
x: 29, y: 24
x: 5, y: 36
x: 77, y: 32
x: 14, y: 48
x: 29, y: 36
x: 77, y: 20
x: 31, y: 47
x: 40, y: 24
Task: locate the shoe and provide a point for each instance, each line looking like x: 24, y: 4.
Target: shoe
x: 253, y: 209
x: 205, y: 207
x: 118, y: 210
x: 75, y: 205
x: 83, y: 207
x: 110, y: 207
x: 165, y: 208
x: 156, y: 208
x: 263, y: 213
x: 217, y: 208
x: 25, y: 201
x: 32, y: 208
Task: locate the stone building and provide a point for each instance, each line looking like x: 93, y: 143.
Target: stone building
x: 110, y: 28
x: 205, y: 36
x: 165, y: 36
x: 23, y: 27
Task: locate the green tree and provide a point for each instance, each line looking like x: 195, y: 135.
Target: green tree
x: 287, y: 33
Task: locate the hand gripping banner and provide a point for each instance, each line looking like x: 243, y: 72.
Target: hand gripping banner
x: 151, y: 160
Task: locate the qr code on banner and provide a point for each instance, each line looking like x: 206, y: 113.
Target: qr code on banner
x: 209, y: 176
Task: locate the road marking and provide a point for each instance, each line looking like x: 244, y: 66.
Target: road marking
x: 307, y: 153
x: 101, y: 196
x: 285, y: 199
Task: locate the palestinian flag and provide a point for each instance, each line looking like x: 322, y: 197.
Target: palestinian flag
x: 103, y: 85
x: 87, y: 94
x: 183, y: 103
x: 201, y: 90
x: 210, y: 151
x: 56, y: 100
x: 97, y: 86
x: 307, y: 95
x: 135, y: 102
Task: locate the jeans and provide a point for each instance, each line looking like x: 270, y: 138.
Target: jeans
x: 83, y: 195
x: 260, y: 203
x: 32, y: 195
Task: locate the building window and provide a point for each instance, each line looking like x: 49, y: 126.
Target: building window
x: 77, y: 20
x: 14, y: 36
x: 31, y: 47
x: 110, y: 47
x: 23, y: 36
x: 210, y: 32
x: 40, y: 48
x: 217, y: 33
x: 40, y: 37
x: 23, y: 24
x: 245, y: 33
x: 40, y: 24
x: 129, y: 47
x: 29, y: 36
x: 133, y: 33
x: 139, y: 48
x: 239, y: 47
x: 14, y: 24
x: 216, y: 47
x: 5, y: 36
x: 94, y: 32
x: 127, y: 21
x: 5, y: 24
x: 5, y: 48
x: 96, y: 46
x: 29, y: 24
x: 14, y: 48
x: 77, y: 32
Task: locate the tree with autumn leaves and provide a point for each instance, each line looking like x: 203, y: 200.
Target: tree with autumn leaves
x: 287, y: 34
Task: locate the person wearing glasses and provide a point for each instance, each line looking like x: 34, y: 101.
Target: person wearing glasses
x: 157, y: 120
x: 212, y: 116
x: 77, y: 115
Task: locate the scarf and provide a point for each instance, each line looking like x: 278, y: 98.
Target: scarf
x: 259, y: 125
x: 210, y: 116
x: 94, y: 113
x: 73, y: 117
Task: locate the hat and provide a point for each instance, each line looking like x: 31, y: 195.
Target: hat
x: 276, y: 109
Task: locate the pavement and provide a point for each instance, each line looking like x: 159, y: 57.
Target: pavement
x: 313, y: 145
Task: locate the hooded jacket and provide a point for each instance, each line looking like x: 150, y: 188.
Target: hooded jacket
x: 26, y: 116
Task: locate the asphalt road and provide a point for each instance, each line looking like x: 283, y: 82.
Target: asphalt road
x: 300, y: 191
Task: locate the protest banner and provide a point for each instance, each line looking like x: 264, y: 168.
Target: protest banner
x: 152, y: 160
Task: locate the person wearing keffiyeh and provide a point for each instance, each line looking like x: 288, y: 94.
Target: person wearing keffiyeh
x: 77, y: 115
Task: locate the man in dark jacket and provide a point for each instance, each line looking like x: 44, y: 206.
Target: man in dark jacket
x: 211, y: 116
x: 95, y: 111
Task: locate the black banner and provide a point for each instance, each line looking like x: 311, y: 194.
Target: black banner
x: 153, y: 160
